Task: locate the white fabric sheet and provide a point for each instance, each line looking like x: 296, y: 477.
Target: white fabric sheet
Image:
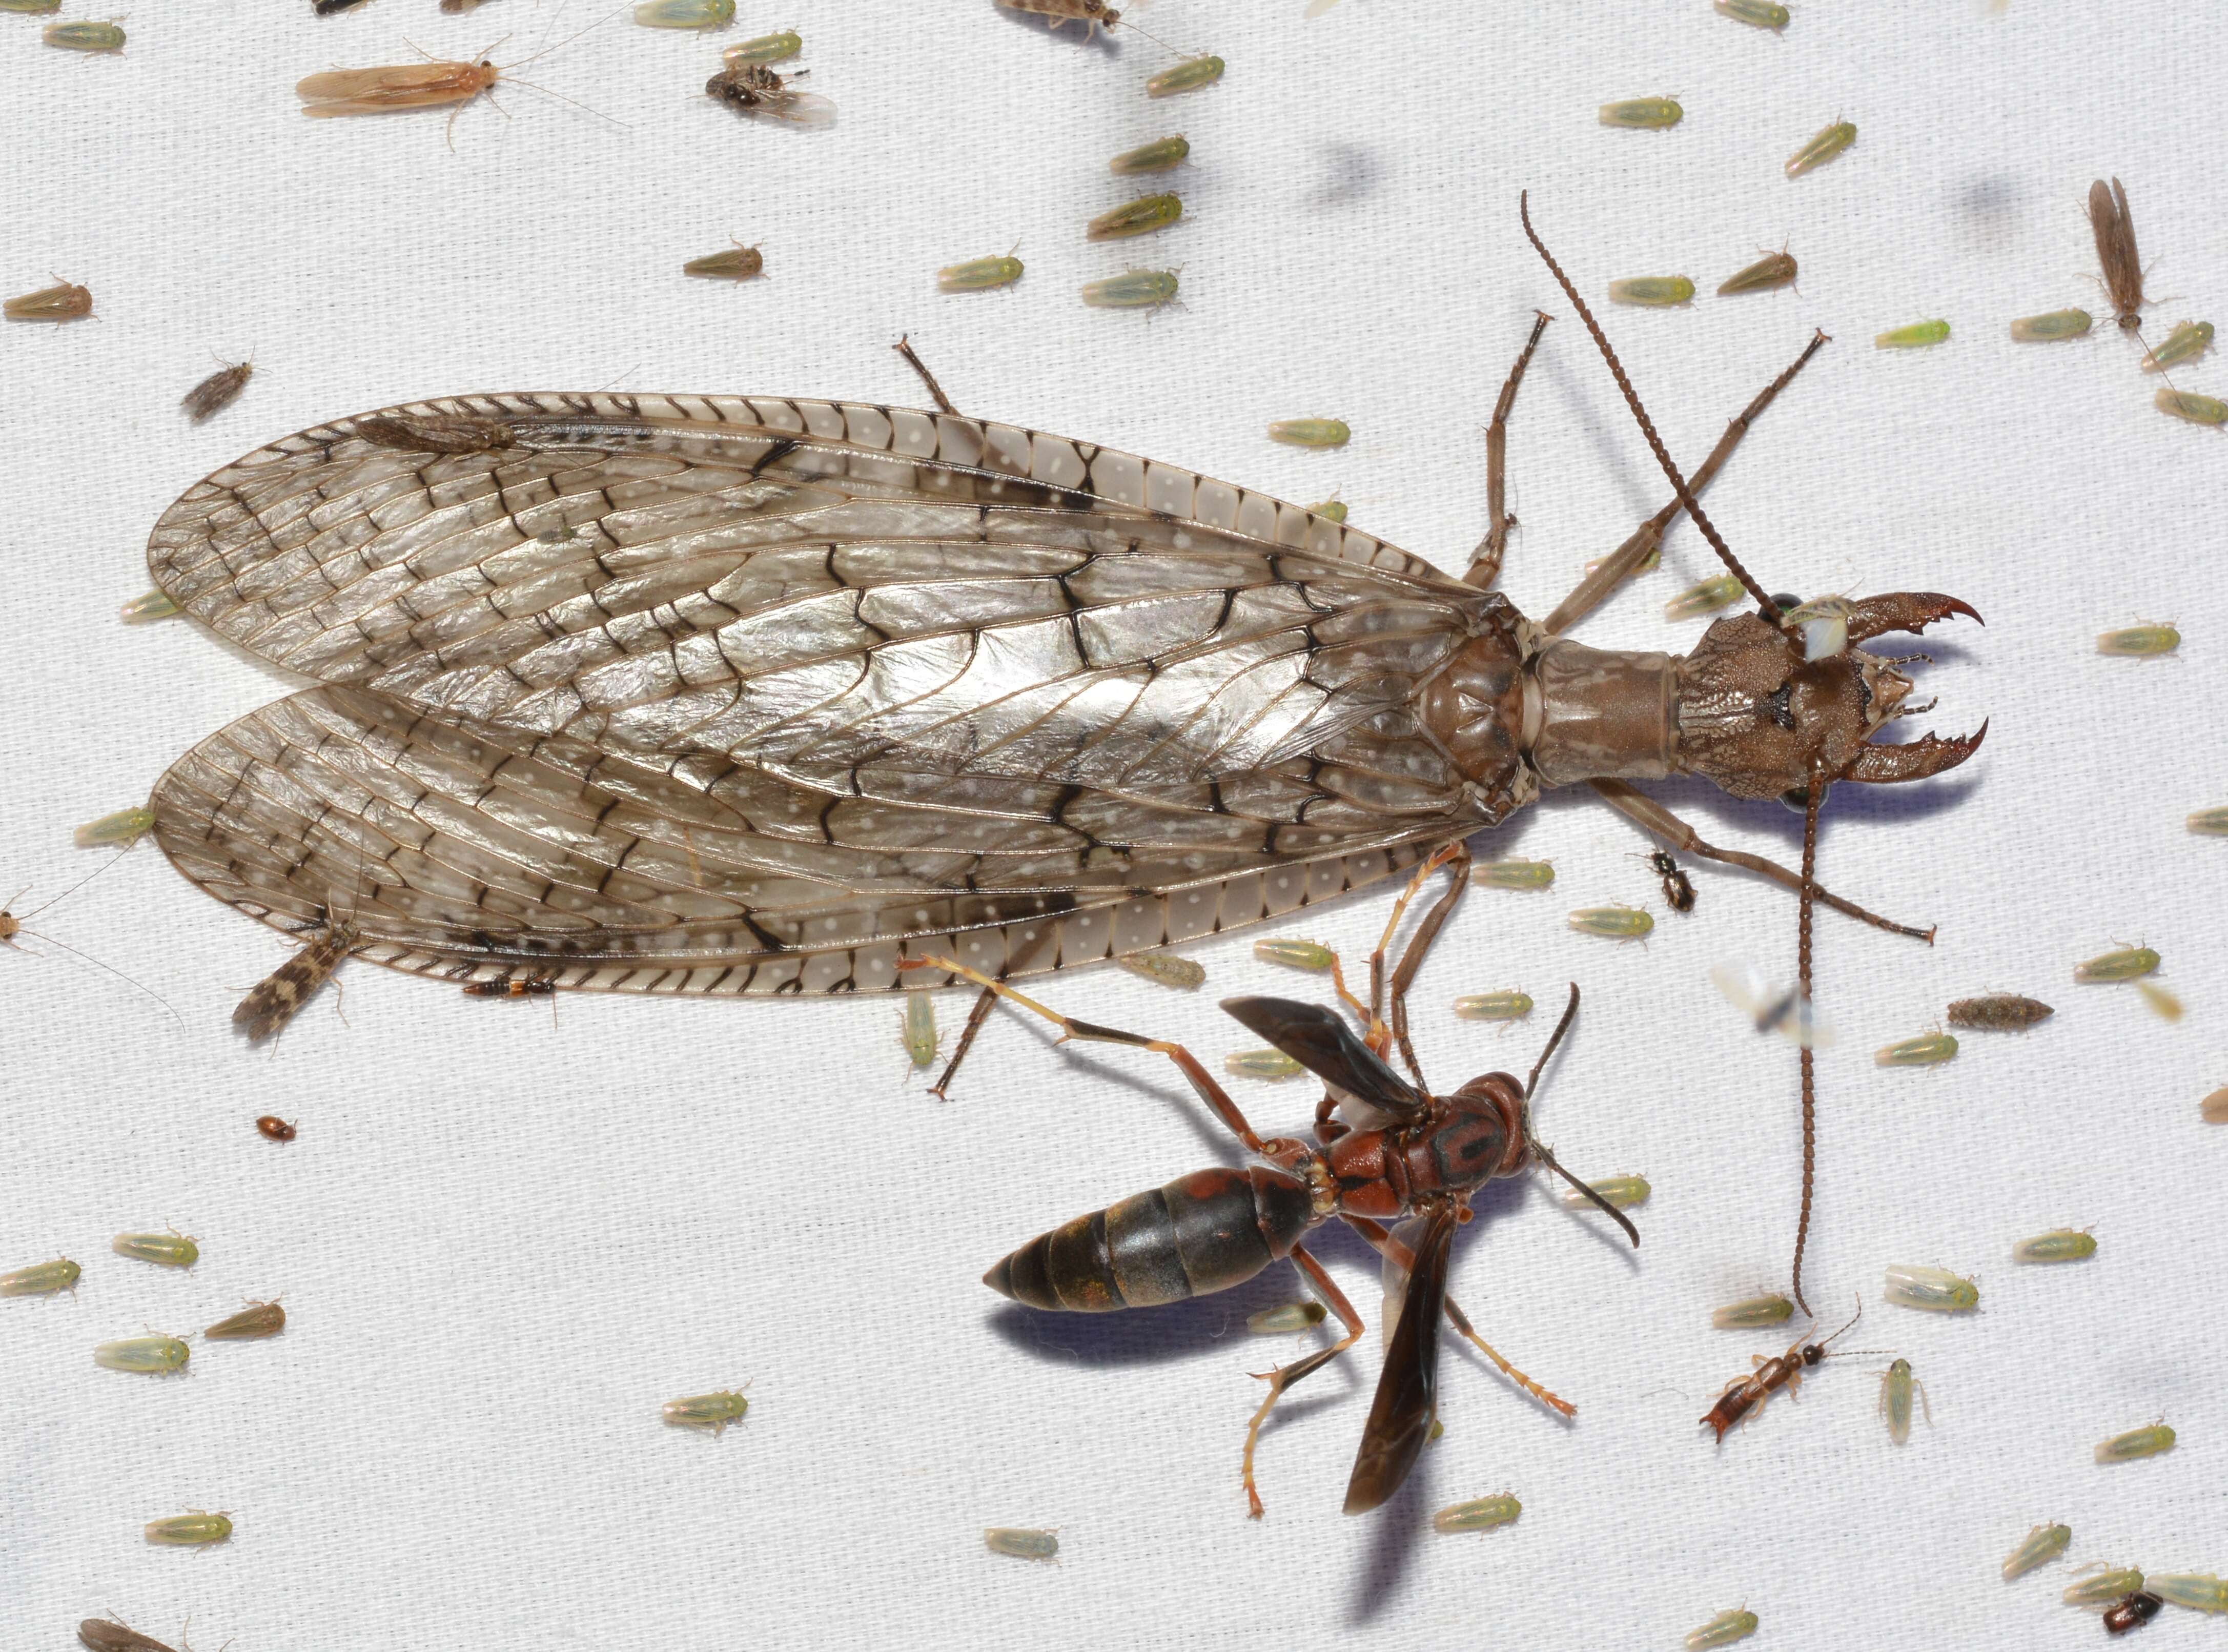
x: 503, y: 1242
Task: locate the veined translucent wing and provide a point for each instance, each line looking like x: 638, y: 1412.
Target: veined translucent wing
x: 1772, y: 1008
x: 728, y: 695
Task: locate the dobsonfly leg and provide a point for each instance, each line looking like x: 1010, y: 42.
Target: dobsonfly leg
x: 1381, y: 1241
x: 1212, y: 1093
x: 1653, y: 816
x: 1594, y: 590
x: 1457, y: 856
x: 1380, y: 1034
x: 1485, y: 561
x: 904, y: 347
x: 975, y: 1017
x: 1285, y: 1376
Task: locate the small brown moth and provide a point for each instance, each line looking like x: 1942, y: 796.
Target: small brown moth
x: 218, y: 391
x: 395, y: 87
x: 272, y: 1002
x: 64, y: 301
x: 2115, y: 251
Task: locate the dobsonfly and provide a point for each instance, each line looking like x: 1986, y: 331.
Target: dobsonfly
x: 816, y: 686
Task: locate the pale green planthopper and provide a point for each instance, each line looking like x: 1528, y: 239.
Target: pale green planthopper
x: 2039, y: 1547
x: 2189, y: 405
x: 195, y: 1531
x: 155, y: 605
x: 1912, y: 1284
x: 1285, y: 1317
x: 1260, y: 1064
x: 1723, y: 1630
x: 1752, y: 1311
x: 1162, y: 155
x: 1720, y: 590
x: 1622, y: 1192
x: 125, y: 826
x: 1927, y: 1050
x: 1619, y: 922
x: 1757, y: 14
x: 979, y: 274
x: 1132, y: 290
x: 2209, y: 823
x: 1311, y: 432
x: 2054, y: 325
x: 153, y: 1354
x: 84, y: 37
x: 687, y: 14
x: 918, y: 1034
x: 1916, y: 336
x: 713, y: 1411
x: 2104, y: 1587
x: 2139, y: 641
x: 1295, y: 954
x: 30, y: 8
x: 2186, y: 343
x: 170, y: 1250
x: 42, y: 1278
x: 766, y: 49
x: 1187, y: 76
x: 1493, y: 1006
x: 1772, y: 270
x: 1332, y: 510
x: 1478, y: 1514
x: 1513, y: 874
x: 1896, y: 1386
x: 1645, y: 114
x: 2199, y: 1590
x: 1828, y: 142
x: 1022, y: 1542
x: 2121, y: 964
x: 1166, y: 968
x: 2060, y: 1245
x: 1652, y: 291
x: 251, y: 1323
x: 2136, y: 1442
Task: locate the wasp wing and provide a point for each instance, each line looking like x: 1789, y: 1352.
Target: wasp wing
x: 1320, y: 1040
x: 1407, y: 1392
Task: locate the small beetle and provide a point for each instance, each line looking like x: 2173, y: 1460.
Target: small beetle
x: 275, y: 1128
x: 2131, y: 1613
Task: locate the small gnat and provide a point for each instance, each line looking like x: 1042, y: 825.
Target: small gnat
x: 1896, y: 1386
x: 766, y: 49
x: 2053, y: 324
x: 1285, y: 1317
x: 1187, y: 76
x: 1772, y: 270
x: 1828, y: 142
x: 2199, y: 1590
x: 1751, y: 1312
x: 1166, y: 968
x: 737, y: 263
x: 713, y: 1411
x: 1478, y: 1514
x: 140, y: 611
x: 687, y: 14
x: 1295, y: 954
x: 195, y: 1531
x: 1020, y: 1542
x: 1911, y: 1284
x: 40, y: 1280
x: 979, y: 274
x: 2136, y: 1442
x: 2121, y: 964
x: 920, y: 1029
x: 1721, y: 591
x: 2186, y: 342
x: 84, y: 37
x: 64, y: 301
x: 2002, y: 1012
x: 2209, y: 823
x: 1652, y: 291
x: 2189, y: 405
x: 1162, y: 155
x: 1927, y: 1050
x: 1493, y: 1006
x: 171, y: 1250
x: 2163, y: 1001
x: 1513, y: 874
x: 218, y: 391
x: 1650, y: 114
x: 1260, y: 1064
x: 1622, y: 1192
x: 125, y: 826
x: 152, y: 1354
x: 1915, y: 336
x: 1311, y: 432
x: 1723, y: 1630
x: 1139, y: 217
x: 2060, y: 1245
x: 2101, y: 1588
x: 2039, y: 1547
x: 2139, y: 641
x: 1131, y: 289
x: 1619, y: 923
x: 1757, y: 14
x: 251, y: 1323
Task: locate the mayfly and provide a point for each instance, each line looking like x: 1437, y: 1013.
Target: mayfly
x: 2122, y: 266
x: 978, y: 660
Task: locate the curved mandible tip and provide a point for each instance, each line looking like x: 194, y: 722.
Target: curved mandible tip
x: 1918, y: 759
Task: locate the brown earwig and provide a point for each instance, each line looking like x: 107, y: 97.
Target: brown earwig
x: 1744, y: 1394
x: 2122, y: 266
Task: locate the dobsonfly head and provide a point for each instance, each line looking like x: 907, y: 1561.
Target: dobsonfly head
x: 1758, y: 718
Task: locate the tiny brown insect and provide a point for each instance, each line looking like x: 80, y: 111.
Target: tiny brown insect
x: 101, y: 1635
x: 1093, y: 15
x: 64, y: 301
x: 754, y: 89
x: 511, y: 986
x: 251, y: 1323
x: 272, y: 1002
x: 2133, y: 1612
x: 1999, y: 1012
x: 2115, y: 251
x: 275, y: 1127
x: 218, y: 391
x: 1678, y: 888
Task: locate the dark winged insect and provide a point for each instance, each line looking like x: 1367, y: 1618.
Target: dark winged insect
x: 2132, y: 1612
x: 274, y: 1001
x: 754, y: 89
x: 218, y: 391
x: 1678, y: 888
x: 257, y: 1320
x: 548, y: 757
x: 1999, y: 1012
x: 1423, y: 1156
x: 1744, y: 1394
x: 2122, y: 266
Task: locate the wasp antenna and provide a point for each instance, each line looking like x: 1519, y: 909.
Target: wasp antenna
x: 1562, y: 1026
x: 1547, y: 1157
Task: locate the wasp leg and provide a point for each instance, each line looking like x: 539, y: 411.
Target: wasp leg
x: 1285, y: 1376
